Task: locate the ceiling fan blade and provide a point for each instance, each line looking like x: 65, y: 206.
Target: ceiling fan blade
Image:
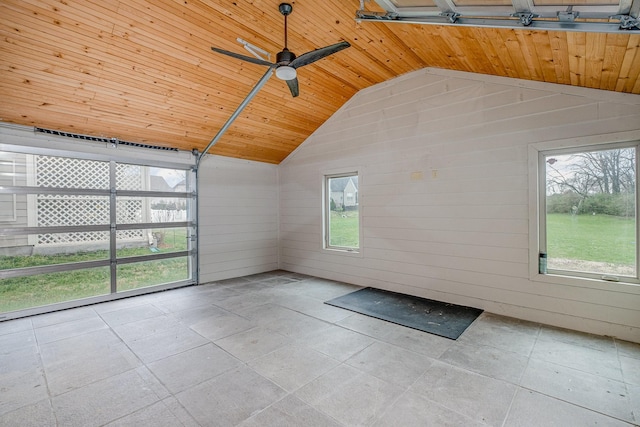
x: 243, y: 57
x: 293, y: 87
x: 314, y: 55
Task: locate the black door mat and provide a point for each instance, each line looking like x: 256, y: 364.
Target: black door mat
x: 435, y: 317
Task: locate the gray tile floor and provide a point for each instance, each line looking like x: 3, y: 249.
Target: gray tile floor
x: 265, y: 351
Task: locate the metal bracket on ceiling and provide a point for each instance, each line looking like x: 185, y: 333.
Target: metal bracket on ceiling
x: 568, y: 16
x: 381, y: 16
x: 451, y: 16
x: 628, y: 22
x: 525, y: 18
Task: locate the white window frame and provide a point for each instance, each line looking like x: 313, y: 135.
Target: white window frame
x: 326, y: 212
x: 537, y: 208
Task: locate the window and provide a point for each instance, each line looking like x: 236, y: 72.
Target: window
x: 588, y: 212
x: 341, y: 212
x: 87, y: 229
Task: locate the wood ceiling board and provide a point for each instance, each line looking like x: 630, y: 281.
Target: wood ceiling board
x: 143, y: 71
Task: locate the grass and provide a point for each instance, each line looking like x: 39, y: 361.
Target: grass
x: 344, y: 229
x: 32, y: 291
x: 599, y: 238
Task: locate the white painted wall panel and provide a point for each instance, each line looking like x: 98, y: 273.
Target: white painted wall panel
x: 461, y: 233
x: 238, y: 218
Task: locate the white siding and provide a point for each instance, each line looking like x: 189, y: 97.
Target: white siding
x: 445, y: 194
x: 238, y: 218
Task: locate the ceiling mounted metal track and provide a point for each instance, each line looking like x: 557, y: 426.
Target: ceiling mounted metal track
x: 521, y: 14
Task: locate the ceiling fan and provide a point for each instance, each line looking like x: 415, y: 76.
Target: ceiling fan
x: 286, y: 61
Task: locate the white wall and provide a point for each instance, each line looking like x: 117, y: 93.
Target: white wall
x: 238, y: 218
x: 445, y: 194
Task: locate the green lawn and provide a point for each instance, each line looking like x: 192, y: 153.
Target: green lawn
x: 32, y: 291
x: 591, y: 238
x: 344, y: 229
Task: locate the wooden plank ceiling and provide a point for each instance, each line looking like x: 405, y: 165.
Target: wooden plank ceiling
x: 143, y: 71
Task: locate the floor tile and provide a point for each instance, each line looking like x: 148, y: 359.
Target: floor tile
x: 481, y: 398
x: 289, y: 411
x: 531, y: 409
x: 489, y: 361
x: 156, y: 415
x: 630, y: 370
x: 22, y: 380
x: 421, y: 342
x: 369, y: 326
x: 77, y: 361
x: 39, y: 414
x: 220, y: 326
x: 293, y: 366
x: 413, y: 410
x: 123, y: 303
x: 582, y: 357
x: 189, y: 368
x: 230, y: 398
x: 246, y: 300
x: 265, y: 350
x: 166, y: 342
x: 184, y: 417
x: 143, y: 328
x: 297, y: 325
x: 72, y: 328
x: 325, y: 290
x: 390, y: 363
x: 16, y: 325
x: 253, y: 343
x: 63, y: 316
x: 516, y: 336
x: 192, y: 316
x: 634, y: 398
x: 17, y: 341
x: 185, y: 302
x: 583, y: 389
x: 103, y: 401
x: 315, y: 308
x: 581, y: 339
x: 130, y: 314
x: 628, y: 349
x: 336, y: 342
x: 350, y: 396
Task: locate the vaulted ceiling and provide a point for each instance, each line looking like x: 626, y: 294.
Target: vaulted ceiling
x: 143, y: 70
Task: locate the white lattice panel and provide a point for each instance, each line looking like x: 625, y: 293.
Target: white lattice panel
x: 56, y: 211
x: 73, y: 238
x: 65, y: 172
x: 85, y: 210
x: 129, y: 177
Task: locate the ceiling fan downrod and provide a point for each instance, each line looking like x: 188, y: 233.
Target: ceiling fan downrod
x: 285, y: 9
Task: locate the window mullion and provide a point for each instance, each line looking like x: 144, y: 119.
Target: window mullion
x: 113, y: 223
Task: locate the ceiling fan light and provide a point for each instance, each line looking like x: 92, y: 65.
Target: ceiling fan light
x: 284, y: 72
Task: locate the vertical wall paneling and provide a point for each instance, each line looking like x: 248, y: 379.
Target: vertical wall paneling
x: 238, y: 218
x: 445, y: 193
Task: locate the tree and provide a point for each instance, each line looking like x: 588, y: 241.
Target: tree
x: 593, y: 174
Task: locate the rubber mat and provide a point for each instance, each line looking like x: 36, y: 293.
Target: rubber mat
x: 435, y: 317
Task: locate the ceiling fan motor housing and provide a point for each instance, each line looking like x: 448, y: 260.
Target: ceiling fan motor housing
x: 285, y: 57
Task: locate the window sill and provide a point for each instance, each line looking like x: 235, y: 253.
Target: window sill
x: 585, y: 282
